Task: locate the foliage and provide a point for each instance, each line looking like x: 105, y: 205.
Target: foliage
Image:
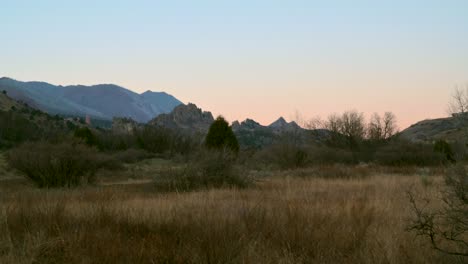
x: 404, y: 153
x: 57, y: 165
x: 209, y: 169
x: 284, y: 156
x: 220, y: 136
x: 447, y: 228
x: 15, y: 129
x: 160, y: 140
x: 87, y: 135
x: 441, y: 146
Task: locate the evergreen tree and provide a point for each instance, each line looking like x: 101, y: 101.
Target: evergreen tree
x: 85, y: 133
x: 220, y: 135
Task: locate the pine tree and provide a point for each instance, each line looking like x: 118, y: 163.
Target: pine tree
x: 220, y: 136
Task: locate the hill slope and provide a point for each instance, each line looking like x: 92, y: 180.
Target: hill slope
x: 450, y: 128
x: 103, y: 101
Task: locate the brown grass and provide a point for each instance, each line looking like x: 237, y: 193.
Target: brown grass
x: 282, y: 220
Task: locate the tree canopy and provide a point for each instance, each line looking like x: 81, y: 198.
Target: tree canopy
x: 221, y: 136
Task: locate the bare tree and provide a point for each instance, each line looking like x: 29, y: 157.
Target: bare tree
x: 333, y: 123
x: 459, y: 101
x: 375, y: 129
x: 390, y: 125
x: 315, y: 123
x: 381, y: 128
x: 447, y: 228
x: 353, y: 125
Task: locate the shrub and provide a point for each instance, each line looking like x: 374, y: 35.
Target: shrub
x: 57, y: 165
x: 110, y: 141
x: 165, y: 141
x: 15, y: 129
x: 132, y: 155
x: 327, y: 155
x: 441, y: 146
x: 220, y: 136
x: 446, y: 228
x: 87, y: 135
x: 284, y: 156
x: 213, y: 169
x: 401, y: 153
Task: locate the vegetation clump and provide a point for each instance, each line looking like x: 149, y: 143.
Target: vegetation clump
x: 209, y: 169
x: 446, y: 228
x: 220, y: 136
x: 57, y: 165
x: 441, y: 146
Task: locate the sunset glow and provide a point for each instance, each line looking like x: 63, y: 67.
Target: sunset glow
x: 249, y: 59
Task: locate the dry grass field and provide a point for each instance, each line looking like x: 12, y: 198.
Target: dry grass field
x: 288, y: 217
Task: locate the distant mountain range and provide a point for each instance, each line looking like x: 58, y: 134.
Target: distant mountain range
x: 103, y: 101
x: 191, y: 119
x: 108, y: 101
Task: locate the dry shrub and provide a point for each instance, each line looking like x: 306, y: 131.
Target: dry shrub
x: 324, y: 155
x: 209, y: 169
x: 401, y: 153
x: 446, y: 228
x: 132, y: 155
x: 284, y: 229
x: 335, y: 172
x: 283, y: 221
x: 58, y: 165
x: 284, y: 156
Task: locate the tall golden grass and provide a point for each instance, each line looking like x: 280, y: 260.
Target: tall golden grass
x: 284, y: 219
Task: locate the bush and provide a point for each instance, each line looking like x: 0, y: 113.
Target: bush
x: 441, y: 146
x: 220, y: 136
x: 87, y: 135
x: 284, y: 156
x: 132, y: 155
x: 327, y: 155
x: 15, y: 129
x: 445, y: 228
x: 160, y: 140
x: 401, y: 153
x: 57, y: 165
x: 208, y: 170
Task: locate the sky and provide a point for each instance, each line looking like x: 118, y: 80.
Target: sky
x: 257, y: 59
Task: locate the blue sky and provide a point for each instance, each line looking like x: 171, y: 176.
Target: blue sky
x: 257, y: 59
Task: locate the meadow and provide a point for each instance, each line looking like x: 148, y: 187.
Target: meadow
x: 334, y: 214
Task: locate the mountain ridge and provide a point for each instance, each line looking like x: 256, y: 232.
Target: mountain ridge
x: 104, y: 101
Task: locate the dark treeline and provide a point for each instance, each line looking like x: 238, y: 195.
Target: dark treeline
x: 81, y: 150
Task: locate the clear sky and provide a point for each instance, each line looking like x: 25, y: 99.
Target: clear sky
x: 259, y: 59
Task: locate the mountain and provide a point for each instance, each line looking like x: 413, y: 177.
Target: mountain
x: 281, y: 125
x: 188, y: 118
x: 191, y: 119
x: 103, y: 101
x: 450, y: 128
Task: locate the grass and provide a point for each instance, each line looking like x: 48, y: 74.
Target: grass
x: 284, y: 219
x: 5, y: 172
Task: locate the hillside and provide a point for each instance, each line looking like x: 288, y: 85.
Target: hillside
x: 20, y: 122
x: 450, y: 128
x: 104, y: 101
x: 6, y: 103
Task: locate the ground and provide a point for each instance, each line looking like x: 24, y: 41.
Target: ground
x: 299, y: 216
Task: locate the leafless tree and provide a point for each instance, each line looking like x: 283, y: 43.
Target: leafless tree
x: 459, y: 101
x: 315, y: 123
x: 447, y: 228
x: 381, y: 128
x: 333, y: 123
x: 353, y: 125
